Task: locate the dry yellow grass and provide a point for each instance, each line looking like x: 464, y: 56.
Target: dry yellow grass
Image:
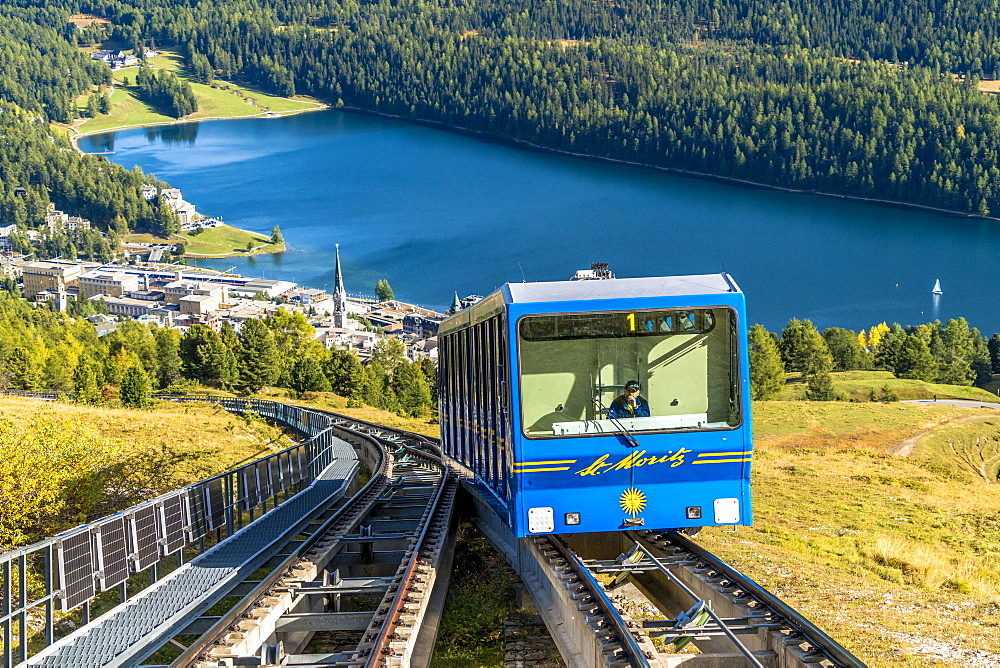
x: 331, y: 402
x: 896, y: 557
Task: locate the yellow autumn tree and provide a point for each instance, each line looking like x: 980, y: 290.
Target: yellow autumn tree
x: 863, y: 339
x: 54, y: 474
x: 876, y: 334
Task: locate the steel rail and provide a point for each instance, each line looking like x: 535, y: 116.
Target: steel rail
x: 711, y: 613
x: 636, y: 657
x: 222, y: 626
x: 812, y: 634
x: 393, y: 616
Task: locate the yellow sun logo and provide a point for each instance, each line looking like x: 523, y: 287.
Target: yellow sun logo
x: 632, y: 501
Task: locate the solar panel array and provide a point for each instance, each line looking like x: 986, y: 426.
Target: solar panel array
x: 76, y: 569
x: 145, y: 544
x: 105, y: 554
x: 171, y: 523
x: 112, y: 552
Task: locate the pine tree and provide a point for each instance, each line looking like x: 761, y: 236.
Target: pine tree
x: 136, y: 390
x: 846, y: 349
x: 167, y: 356
x: 915, y: 360
x: 346, y: 375
x: 259, y: 365
x: 390, y: 353
x: 383, y: 291
x: 410, y: 386
x: 767, y: 373
x: 276, y: 237
x: 803, y: 349
x: 994, y: 348
x: 306, y: 375
x: 819, y: 387
x: 85, y: 385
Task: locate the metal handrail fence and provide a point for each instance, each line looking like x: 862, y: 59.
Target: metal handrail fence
x: 72, y: 568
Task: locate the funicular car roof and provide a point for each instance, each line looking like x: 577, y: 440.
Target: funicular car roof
x: 621, y: 288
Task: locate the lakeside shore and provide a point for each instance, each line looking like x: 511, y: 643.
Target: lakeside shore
x: 77, y: 135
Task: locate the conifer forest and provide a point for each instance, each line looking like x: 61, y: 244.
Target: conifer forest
x: 873, y: 100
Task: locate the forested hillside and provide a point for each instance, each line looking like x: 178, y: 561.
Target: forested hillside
x: 851, y: 98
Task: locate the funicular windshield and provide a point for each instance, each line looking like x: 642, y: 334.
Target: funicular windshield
x: 641, y: 371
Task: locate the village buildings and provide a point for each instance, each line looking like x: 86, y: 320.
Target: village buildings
x: 183, y: 297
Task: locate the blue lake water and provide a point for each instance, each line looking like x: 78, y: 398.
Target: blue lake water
x: 436, y: 212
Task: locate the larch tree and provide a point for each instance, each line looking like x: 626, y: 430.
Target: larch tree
x: 136, y: 389
x: 767, y: 373
x: 259, y: 363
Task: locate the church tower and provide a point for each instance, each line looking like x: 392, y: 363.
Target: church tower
x: 339, y: 296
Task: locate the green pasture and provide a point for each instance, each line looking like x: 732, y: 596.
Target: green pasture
x: 218, y: 100
x: 856, y: 386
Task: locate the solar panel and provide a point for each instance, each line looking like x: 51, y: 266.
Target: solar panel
x: 196, y: 524
x: 76, y: 569
x: 248, y: 487
x: 303, y: 453
x: 145, y: 544
x: 277, y: 484
x: 112, y: 552
x: 263, y: 477
x: 215, y: 504
x: 172, y: 523
x: 286, y: 468
x: 295, y: 461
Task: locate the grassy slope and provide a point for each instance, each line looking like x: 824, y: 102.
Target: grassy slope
x: 200, y: 440
x: 166, y: 448
x: 856, y: 385
x: 226, y: 239
x: 222, y: 240
x: 226, y: 100
x: 885, y: 552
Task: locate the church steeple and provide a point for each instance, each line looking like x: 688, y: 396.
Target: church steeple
x: 456, y: 305
x: 339, y: 293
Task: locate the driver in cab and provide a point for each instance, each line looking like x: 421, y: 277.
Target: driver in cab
x: 630, y: 404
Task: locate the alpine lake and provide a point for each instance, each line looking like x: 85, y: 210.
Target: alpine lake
x: 435, y: 212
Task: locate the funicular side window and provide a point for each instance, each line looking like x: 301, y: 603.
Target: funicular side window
x: 580, y: 372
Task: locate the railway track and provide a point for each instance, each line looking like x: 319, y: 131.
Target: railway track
x: 657, y: 599
x: 354, y: 588
x: 666, y: 595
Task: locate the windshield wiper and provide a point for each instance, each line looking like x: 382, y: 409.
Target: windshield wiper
x: 629, y: 436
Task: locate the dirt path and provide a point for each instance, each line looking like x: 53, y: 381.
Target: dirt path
x: 905, y: 447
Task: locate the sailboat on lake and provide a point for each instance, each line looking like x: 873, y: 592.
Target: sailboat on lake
x: 937, y: 288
